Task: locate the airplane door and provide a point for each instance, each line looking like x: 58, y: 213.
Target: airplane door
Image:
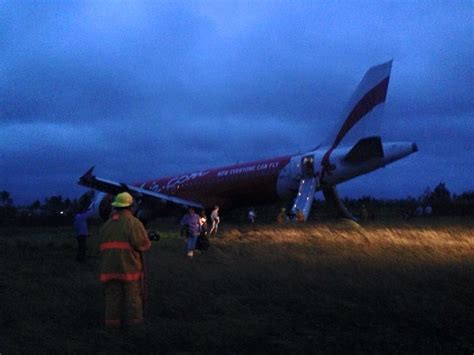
x: 307, y: 166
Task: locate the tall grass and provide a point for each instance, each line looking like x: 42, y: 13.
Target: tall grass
x: 326, y: 287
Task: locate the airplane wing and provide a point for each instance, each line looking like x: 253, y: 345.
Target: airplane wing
x: 113, y: 188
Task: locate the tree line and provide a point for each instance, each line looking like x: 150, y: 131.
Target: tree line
x: 56, y: 210
x: 440, y: 201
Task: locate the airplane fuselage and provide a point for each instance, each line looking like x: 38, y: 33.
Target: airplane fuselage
x: 247, y: 183
x: 269, y: 180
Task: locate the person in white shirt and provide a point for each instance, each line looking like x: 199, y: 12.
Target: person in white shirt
x: 215, y: 221
x: 252, y: 215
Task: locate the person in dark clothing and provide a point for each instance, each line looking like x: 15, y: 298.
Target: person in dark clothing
x: 190, y: 223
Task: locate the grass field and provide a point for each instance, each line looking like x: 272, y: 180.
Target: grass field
x: 314, y: 288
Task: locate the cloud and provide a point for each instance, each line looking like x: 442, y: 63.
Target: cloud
x: 142, y: 89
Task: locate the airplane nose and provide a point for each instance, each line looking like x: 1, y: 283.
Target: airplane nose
x: 414, y: 147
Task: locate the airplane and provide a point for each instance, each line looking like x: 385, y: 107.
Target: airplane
x: 294, y: 178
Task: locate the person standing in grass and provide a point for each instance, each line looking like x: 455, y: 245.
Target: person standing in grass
x: 299, y: 216
x: 123, y: 241
x: 251, y: 215
x: 364, y: 214
x: 82, y: 232
x: 203, y: 241
x: 191, y: 226
x: 282, y: 217
x: 215, y: 219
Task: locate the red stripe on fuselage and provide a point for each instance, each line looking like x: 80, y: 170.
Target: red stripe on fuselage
x: 374, y: 97
x: 247, y: 183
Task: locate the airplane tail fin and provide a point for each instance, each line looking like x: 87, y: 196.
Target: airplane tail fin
x: 361, y: 117
x: 359, y: 122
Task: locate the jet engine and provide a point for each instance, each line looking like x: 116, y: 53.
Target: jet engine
x: 101, y: 204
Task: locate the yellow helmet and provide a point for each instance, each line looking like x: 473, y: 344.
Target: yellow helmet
x: 123, y: 199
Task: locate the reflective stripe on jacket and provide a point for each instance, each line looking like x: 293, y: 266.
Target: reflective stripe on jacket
x: 123, y: 239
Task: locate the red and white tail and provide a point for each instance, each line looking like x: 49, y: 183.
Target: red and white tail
x: 361, y: 116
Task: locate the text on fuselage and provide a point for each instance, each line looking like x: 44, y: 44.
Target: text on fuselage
x: 248, y: 169
x: 178, y: 180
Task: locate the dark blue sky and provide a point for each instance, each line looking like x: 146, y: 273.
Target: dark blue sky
x: 145, y: 89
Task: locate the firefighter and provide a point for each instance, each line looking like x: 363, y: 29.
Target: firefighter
x: 124, y: 239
